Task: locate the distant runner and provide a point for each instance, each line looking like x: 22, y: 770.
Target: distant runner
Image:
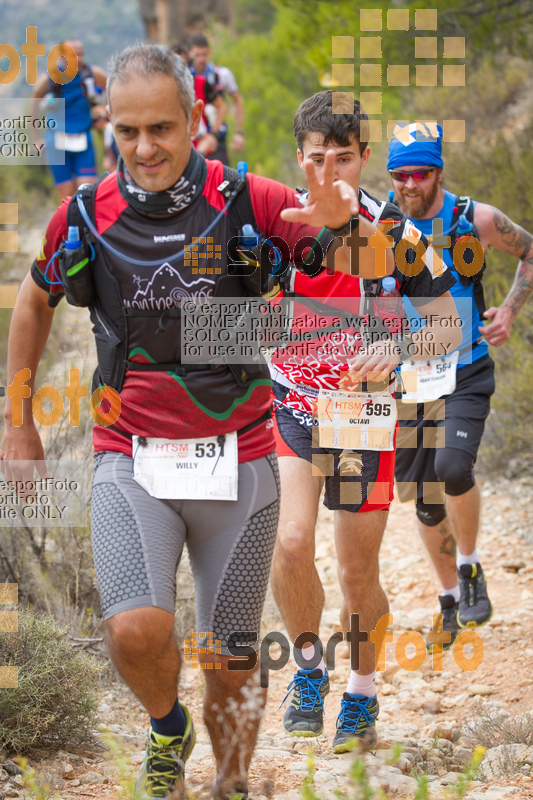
x: 73, y: 144
x: 222, y: 79
x: 207, y: 139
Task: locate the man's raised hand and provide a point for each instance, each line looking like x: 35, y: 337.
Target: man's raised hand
x: 331, y: 203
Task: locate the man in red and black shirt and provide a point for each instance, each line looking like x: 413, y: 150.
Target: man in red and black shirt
x: 345, y: 443
x: 160, y: 200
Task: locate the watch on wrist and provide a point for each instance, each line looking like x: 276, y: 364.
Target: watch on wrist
x: 352, y: 223
x: 408, y: 349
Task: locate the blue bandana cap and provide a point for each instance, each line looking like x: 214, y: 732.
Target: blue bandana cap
x: 415, y: 143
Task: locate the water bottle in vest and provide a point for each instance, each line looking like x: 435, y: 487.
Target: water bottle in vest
x: 74, y: 266
x: 389, y: 305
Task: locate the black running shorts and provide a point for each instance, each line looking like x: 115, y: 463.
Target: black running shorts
x: 461, y: 419
x: 369, y: 490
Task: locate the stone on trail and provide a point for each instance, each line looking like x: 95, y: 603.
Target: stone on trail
x: 404, y: 764
x: 11, y: 768
x: 444, y: 730
x: 506, y: 759
x: 91, y: 777
x: 481, y: 689
x: 66, y: 770
x: 494, y: 793
x: 450, y: 777
x: 394, y: 779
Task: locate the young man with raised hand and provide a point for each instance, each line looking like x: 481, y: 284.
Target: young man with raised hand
x: 358, y: 482
x: 448, y: 519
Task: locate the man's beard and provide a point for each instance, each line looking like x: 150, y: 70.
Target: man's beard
x: 417, y: 207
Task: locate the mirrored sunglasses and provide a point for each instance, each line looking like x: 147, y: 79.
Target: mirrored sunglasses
x: 417, y: 175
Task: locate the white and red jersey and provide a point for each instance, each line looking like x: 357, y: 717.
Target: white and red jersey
x: 205, y: 92
x: 306, y: 366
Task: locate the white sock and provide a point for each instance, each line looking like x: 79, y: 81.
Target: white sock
x: 362, y: 684
x: 455, y: 593
x: 473, y: 558
x: 308, y: 652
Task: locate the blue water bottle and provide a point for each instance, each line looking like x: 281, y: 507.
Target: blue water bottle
x: 75, y: 269
x: 249, y: 237
x: 73, y: 241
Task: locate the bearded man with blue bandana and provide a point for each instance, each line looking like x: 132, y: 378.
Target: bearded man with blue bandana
x: 453, y: 394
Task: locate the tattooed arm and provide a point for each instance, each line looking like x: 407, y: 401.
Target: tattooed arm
x: 497, y: 230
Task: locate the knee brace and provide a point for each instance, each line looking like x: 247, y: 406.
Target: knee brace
x: 430, y: 514
x: 454, y: 468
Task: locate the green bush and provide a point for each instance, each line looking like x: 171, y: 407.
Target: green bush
x: 55, y: 703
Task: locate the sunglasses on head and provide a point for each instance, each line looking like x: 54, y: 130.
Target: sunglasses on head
x: 417, y: 175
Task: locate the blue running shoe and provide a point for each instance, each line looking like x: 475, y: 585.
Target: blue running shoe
x: 305, y: 717
x: 356, y: 724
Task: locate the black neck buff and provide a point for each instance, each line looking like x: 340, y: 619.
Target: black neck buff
x: 171, y: 200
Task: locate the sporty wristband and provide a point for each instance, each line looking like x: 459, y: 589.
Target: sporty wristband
x: 346, y: 229
x: 241, y: 133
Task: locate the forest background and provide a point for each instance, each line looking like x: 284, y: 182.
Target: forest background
x: 281, y: 52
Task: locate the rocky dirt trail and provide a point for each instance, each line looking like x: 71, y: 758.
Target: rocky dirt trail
x: 425, y: 710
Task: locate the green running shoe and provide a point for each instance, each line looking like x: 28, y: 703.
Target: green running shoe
x: 163, y: 768
x: 356, y: 724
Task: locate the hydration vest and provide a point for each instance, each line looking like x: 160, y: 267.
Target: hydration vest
x: 111, y: 318
x: 462, y: 225
x: 87, y: 84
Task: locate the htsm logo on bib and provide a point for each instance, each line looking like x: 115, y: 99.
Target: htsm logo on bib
x: 464, y: 434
